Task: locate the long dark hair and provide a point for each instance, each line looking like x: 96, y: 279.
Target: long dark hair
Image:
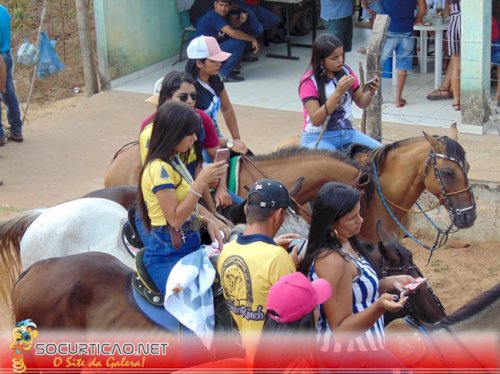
x: 333, y: 201
x: 171, y: 83
x: 282, y: 345
x: 173, y: 121
x: 194, y: 71
x: 323, y: 46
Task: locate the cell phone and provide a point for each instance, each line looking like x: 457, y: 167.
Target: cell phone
x: 369, y: 84
x: 300, y: 243
x: 411, y: 287
x: 222, y: 154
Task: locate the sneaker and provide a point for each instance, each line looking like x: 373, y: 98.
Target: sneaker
x: 232, y: 78
x: 18, y: 138
x: 2, y: 141
x: 250, y: 57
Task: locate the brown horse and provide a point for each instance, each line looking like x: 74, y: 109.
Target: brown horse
x: 125, y: 167
x: 400, y: 172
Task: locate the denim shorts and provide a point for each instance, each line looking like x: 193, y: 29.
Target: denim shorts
x: 342, y: 29
x: 403, y: 44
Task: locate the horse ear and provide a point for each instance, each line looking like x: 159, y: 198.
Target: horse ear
x: 432, y: 141
x: 296, y: 186
x: 382, y: 234
x: 453, y: 132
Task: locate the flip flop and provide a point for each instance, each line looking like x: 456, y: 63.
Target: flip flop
x: 439, y: 95
x: 400, y: 103
x: 456, y: 107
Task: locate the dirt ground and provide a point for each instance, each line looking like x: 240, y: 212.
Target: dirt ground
x: 70, y: 140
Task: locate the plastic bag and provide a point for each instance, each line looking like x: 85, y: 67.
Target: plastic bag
x: 27, y: 53
x: 49, y: 62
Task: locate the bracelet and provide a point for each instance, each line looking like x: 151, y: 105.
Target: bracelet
x: 195, y: 193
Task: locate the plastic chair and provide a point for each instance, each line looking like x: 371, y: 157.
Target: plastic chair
x: 188, y: 30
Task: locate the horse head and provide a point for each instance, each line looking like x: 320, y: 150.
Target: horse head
x: 395, y: 259
x: 446, y: 171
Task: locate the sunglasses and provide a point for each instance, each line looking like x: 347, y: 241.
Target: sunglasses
x: 184, y: 96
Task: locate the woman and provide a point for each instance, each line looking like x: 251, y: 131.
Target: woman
x: 169, y: 196
x: 454, y: 49
x: 205, y: 60
x: 327, y: 91
x: 180, y: 86
x: 354, y: 313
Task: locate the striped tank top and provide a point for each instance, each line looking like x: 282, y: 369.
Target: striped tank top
x: 364, y: 293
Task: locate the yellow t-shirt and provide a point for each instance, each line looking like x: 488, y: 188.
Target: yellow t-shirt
x: 145, y: 137
x: 159, y: 175
x: 248, y: 267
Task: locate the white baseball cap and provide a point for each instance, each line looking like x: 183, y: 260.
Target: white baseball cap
x: 206, y: 47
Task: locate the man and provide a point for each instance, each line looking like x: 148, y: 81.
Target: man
x: 400, y: 38
x: 8, y: 95
x: 251, y: 264
x: 338, y: 17
x: 214, y: 23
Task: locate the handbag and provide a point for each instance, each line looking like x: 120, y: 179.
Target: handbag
x: 176, y: 237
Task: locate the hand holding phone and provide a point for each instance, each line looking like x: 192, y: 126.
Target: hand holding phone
x: 410, y: 288
x: 222, y: 154
x: 370, y: 85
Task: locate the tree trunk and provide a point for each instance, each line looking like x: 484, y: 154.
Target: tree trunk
x: 375, y: 46
x: 87, y: 53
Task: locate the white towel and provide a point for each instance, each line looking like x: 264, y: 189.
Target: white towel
x: 193, y: 306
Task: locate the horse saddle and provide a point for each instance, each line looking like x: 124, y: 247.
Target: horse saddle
x: 143, y: 284
x: 130, y: 236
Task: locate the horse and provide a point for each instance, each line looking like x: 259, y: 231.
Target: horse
x: 126, y: 158
x: 82, y: 225
x: 392, y: 179
x: 124, y: 195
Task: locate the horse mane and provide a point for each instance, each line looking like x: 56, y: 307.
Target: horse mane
x: 473, y: 307
x: 293, y: 151
x: 378, y: 156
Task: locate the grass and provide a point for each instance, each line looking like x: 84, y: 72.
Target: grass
x: 438, y: 266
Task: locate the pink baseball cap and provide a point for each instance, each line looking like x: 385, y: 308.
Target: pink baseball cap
x: 206, y: 47
x: 294, y: 296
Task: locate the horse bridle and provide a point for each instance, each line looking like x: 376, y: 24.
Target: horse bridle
x: 445, y: 195
x: 442, y: 235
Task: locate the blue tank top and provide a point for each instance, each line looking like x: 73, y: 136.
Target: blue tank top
x: 364, y: 293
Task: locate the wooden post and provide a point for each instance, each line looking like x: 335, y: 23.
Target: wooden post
x: 362, y: 81
x: 89, y: 71
x: 375, y: 46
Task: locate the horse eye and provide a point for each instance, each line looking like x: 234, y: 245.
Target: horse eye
x: 447, y: 173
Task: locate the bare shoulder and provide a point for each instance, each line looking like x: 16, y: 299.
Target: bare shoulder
x: 331, y: 265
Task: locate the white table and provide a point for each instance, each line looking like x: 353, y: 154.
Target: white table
x: 438, y: 29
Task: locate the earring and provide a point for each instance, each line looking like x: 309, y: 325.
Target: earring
x: 321, y: 69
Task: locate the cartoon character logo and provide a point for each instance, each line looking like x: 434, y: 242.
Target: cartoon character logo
x: 23, y: 336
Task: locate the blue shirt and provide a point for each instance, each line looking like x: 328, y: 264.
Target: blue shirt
x: 336, y: 9
x: 402, y: 13
x: 211, y: 24
x: 4, y: 29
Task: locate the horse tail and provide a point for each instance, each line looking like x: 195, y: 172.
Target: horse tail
x: 11, y: 232
x: 123, y: 148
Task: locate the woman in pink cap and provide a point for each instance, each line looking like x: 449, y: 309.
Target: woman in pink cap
x: 204, y: 64
x: 288, y: 337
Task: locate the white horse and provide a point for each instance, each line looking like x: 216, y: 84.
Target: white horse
x: 82, y: 225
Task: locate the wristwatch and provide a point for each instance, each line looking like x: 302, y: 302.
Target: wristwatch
x: 229, y: 144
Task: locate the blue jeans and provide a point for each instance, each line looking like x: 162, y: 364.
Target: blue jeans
x: 337, y: 139
x: 259, y: 19
x: 10, y: 100
x: 160, y: 256
x: 236, y: 48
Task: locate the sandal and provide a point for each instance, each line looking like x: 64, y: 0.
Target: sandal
x: 401, y: 103
x: 456, y: 107
x: 439, y: 95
